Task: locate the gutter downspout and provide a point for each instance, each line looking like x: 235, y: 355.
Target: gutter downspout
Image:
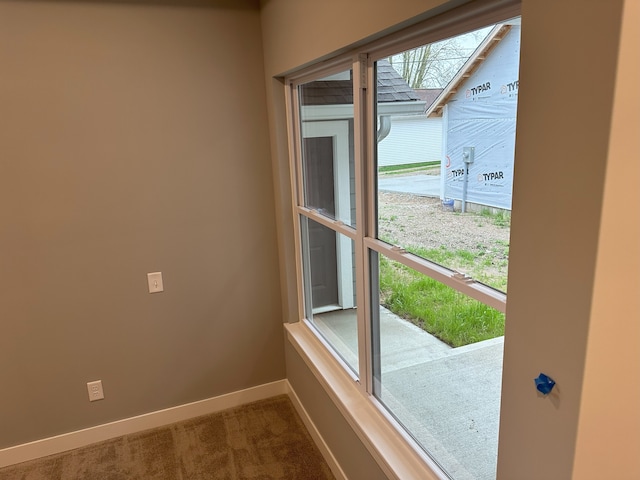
x: 385, y: 127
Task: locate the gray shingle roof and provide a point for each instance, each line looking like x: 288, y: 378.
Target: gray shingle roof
x: 391, y: 88
x: 428, y: 95
x: 327, y: 92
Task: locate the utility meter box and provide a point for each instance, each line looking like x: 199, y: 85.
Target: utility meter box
x: 468, y: 153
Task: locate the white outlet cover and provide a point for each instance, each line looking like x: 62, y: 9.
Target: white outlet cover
x: 95, y: 390
x: 155, y: 282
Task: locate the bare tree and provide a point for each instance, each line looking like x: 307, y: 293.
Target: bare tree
x: 435, y: 64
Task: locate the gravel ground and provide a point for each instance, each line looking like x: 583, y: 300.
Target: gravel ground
x: 410, y: 220
x: 422, y: 221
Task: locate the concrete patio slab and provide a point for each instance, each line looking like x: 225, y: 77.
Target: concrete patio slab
x: 448, y: 398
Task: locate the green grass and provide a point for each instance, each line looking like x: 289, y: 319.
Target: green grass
x: 502, y: 218
x: 440, y: 310
x: 407, y: 166
x: 485, y: 265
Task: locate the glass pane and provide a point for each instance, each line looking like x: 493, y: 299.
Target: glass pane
x: 447, y: 396
x: 326, y: 115
x: 445, y: 151
x: 329, y: 286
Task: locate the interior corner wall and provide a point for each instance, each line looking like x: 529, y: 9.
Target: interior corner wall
x: 354, y: 459
x: 133, y: 139
x: 609, y: 413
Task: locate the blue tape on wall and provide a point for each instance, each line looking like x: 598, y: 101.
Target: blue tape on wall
x: 544, y: 383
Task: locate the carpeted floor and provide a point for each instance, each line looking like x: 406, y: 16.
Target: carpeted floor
x: 260, y: 441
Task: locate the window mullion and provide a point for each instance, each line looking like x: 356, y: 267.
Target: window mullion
x: 360, y: 73
x: 293, y: 111
x: 455, y: 280
x: 296, y: 146
x: 371, y: 273
x: 336, y: 225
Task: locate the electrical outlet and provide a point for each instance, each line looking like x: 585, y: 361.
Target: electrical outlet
x: 95, y: 390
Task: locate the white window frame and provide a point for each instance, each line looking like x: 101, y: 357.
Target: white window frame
x: 396, y: 452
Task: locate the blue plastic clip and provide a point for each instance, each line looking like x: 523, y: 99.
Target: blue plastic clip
x: 544, y: 383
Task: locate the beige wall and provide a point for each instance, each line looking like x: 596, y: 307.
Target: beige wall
x: 611, y: 391
x: 356, y: 462
x: 133, y: 139
x: 562, y: 160
x: 562, y: 285
x: 330, y: 26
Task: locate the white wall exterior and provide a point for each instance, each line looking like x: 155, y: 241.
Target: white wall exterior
x: 412, y: 139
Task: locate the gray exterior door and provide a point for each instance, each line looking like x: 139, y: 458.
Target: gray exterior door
x: 319, y: 161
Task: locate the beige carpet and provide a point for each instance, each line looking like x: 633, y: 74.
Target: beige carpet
x: 260, y: 441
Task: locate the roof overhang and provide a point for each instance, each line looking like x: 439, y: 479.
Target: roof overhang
x: 316, y: 113
x: 470, y: 66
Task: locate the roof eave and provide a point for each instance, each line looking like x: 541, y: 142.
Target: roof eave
x: 471, y: 65
x: 316, y: 113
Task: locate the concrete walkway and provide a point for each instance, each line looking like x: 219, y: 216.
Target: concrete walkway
x: 417, y: 184
x: 448, y: 398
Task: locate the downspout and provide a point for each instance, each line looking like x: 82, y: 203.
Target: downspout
x: 385, y: 127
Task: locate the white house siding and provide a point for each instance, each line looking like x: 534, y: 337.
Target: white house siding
x: 412, y: 139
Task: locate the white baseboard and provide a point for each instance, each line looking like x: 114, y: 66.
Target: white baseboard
x: 315, y: 434
x: 99, y: 433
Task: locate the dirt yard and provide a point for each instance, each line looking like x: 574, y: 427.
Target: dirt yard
x: 422, y: 221
x: 412, y: 221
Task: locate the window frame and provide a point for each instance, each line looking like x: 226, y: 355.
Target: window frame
x: 305, y: 337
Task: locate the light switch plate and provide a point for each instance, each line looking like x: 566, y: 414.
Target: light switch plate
x: 155, y: 282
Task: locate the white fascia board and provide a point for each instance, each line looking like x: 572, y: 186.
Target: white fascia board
x: 459, y: 78
x: 315, y: 113
x: 401, y: 108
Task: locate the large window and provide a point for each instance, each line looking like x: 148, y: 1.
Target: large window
x: 327, y: 213
x: 403, y: 174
